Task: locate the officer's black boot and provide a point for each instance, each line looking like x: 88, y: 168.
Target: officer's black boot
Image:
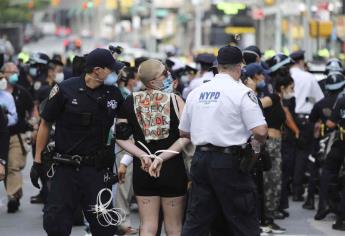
x: 339, y: 224
x: 309, y: 203
x: 322, y: 212
x: 37, y: 199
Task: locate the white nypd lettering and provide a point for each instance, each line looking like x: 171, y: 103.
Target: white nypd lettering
x: 112, y: 104
x: 208, y: 97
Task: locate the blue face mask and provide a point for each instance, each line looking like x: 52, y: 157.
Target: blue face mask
x: 33, y: 71
x: 13, y: 79
x: 261, y: 84
x: 167, y: 84
x: 111, y: 79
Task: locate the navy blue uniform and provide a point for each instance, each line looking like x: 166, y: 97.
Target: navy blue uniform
x: 83, y: 118
x: 321, y: 112
x: 334, y: 160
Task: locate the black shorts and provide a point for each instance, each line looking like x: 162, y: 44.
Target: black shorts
x: 172, y: 181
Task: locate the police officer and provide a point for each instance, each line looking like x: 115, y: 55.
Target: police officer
x: 251, y: 54
x: 84, y: 109
x: 218, y: 182
x: 334, y: 65
x: 307, y: 93
x: 204, y: 62
x: 333, y: 164
x: 37, y: 72
x: 321, y: 112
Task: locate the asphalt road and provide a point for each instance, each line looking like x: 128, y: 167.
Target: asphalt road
x: 28, y: 221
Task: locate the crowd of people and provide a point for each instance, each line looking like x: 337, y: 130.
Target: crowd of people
x: 152, y: 127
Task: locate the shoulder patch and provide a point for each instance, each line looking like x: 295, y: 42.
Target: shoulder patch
x: 37, y: 85
x: 53, y: 91
x: 253, y: 97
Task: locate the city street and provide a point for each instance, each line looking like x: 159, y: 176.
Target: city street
x: 247, y: 76
x: 28, y: 221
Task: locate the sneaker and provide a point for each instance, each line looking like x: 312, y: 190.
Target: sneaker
x: 276, y: 229
x: 265, y: 229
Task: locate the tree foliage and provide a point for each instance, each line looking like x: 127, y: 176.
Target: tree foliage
x: 14, y: 11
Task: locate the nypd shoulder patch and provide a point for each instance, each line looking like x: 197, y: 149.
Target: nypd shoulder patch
x: 53, y: 91
x: 253, y: 97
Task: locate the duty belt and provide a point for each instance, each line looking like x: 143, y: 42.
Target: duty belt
x: 74, y: 160
x: 303, y: 116
x: 235, y: 150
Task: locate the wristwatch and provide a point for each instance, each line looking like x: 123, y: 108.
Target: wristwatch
x: 2, y: 162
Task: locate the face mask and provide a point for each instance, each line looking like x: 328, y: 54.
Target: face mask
x: 138, y: 86
x: 125, y: 92
x: 289, y: 95
x: 167, y: 84
x: 13, y: 79
x: 59, y: 77
x: 185, y: 79
x: 261, y: 84
x: 111, y: 79
x: 3, y: 84
x: 33, y: 71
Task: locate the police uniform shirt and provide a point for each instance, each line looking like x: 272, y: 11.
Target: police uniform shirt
x: 83, y: 116
x: 323, y: 109
x: 221, y: 112
x: 307, y: 90
x: 338, y: 114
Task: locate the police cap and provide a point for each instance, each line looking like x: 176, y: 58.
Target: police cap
x: 229, y: 55
x: 334, y: 65
x: 205, y: 58
x: 297, y: 55
x: 251, y: 53
x: 278, y: 61
x: 253, y: 69
x: 335, y: 81
x: 101, y: 57
x: 39, y: 58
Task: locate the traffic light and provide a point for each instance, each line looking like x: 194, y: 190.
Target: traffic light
x: 90, y: 4
x: 87, y: 5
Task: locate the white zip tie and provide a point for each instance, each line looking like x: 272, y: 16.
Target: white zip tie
x: 111, y: 216
x: 154, y: 155
x: 51, y: 170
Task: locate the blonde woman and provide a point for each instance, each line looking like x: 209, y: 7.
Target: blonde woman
x: 159, y: 178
